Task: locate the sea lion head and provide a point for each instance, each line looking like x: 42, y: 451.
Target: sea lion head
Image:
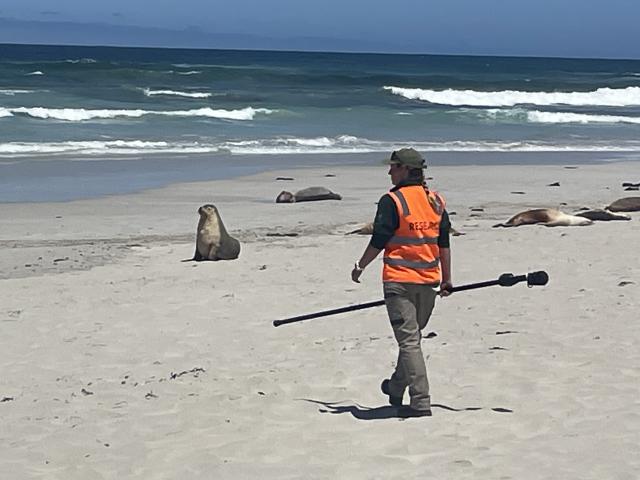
x: 285, y: 197
x: 208, y: 210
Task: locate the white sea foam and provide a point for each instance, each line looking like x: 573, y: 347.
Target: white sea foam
x: 37, y: 72
x: 190, y: 72
x: 287, y: 145
x: 499, y: 114
x: 75, y: 114
x: 13, y: 91
x: 81, y: 60
x: 4, y: 112
x: 614, y: 97
x: 292, y: 145
x: 81, y: 114
x: 148, y: 92
x: 521, y: 116
x: 94, y: 148
x: 568, y: 117
x: 243, y: 114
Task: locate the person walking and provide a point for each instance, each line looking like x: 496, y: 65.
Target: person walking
x: 412, y: 227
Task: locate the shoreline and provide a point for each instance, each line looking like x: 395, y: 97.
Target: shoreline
x: 35, y: 180
x: 54, y: 237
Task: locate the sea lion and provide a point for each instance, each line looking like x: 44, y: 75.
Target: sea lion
x: 626, y: 204
x: 546, y: 216
x: 285, y: 197
x: 307, y: 195
x: 212, y: 240
x: 366, y: 229
x: 602, y: 215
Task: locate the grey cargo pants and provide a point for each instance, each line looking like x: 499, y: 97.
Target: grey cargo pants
x: 409, y: 307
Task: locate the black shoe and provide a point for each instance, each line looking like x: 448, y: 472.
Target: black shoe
x: 408, y: 412
x: 395, y: 401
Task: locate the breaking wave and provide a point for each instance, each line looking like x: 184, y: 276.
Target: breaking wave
x: 607, y: 97
x: 291, y: 145
x: 81, y: 60
x: 81, y: 114
x: 520, y: 115
x: 148, y: 92
x: 566, y: 117
x: 12, y: 92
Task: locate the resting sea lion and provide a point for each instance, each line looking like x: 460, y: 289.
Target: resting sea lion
x: 212, y: 240
x: 546, y: 216
x: 307, y: 195
x: 602, y: 215
x: 366, y: 229
x: 626, y: 204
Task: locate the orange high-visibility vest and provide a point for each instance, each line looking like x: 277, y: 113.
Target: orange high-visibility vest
x: 412, y: 255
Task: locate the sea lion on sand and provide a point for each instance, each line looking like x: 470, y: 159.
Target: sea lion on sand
x: 285, y: 197
x: 366, y: 229
x: 626, y: 204
x: 602, y: 215
x: 212, y: 240
x: 546, y: 216
x: 307, y: 195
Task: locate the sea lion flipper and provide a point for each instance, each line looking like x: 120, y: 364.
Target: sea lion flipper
x: 197, y: 257
x: 366, y: 229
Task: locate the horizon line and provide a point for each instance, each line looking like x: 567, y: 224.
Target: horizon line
x: 335, y: 52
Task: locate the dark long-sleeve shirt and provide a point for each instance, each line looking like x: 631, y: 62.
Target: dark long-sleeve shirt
x: 387, y: 220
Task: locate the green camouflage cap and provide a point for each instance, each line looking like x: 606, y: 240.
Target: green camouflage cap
x: 407, y: 156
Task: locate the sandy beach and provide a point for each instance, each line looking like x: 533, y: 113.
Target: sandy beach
x: 120, y: 360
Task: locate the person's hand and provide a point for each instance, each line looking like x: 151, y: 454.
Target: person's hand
x: 444, y: 289
x: 356, y: 272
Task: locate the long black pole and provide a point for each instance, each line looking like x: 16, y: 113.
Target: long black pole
x: 326, y: 313
x: 488, y: 283
x: 505, y: 280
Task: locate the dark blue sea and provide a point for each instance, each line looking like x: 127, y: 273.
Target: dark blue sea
x: 97, y: 103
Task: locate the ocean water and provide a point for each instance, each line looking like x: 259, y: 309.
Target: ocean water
x: 88, y: 103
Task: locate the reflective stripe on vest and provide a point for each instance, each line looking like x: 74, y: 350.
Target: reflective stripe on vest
x: 407, y: 263
x: 412, y: 255
x: 403, y: 202
x: 412, y: 240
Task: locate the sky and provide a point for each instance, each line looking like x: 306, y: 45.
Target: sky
x: 560, y: 28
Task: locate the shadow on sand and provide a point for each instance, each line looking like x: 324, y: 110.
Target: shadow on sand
x: 379, y: 413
